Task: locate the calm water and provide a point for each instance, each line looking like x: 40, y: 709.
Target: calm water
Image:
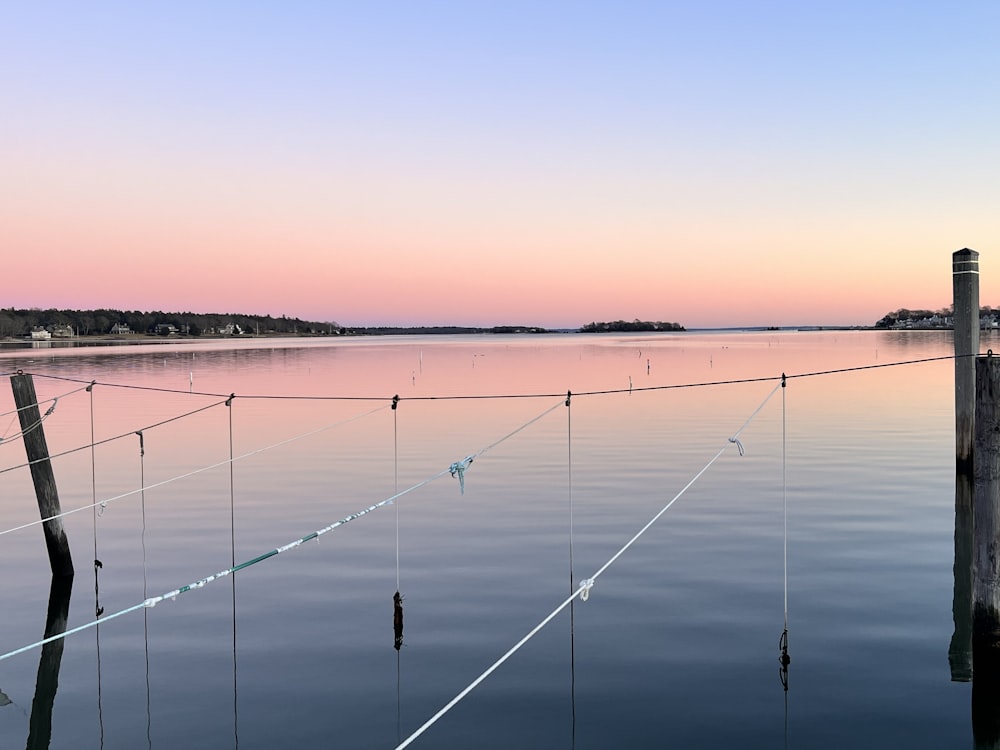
x: 677, y: 644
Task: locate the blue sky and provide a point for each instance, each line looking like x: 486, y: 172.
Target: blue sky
x: 545, y: 163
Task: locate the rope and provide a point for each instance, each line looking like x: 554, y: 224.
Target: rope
x: 232, y: 557
x: 783, y: 658
x: 145, y: 618
x: 705, y: 384
x: 38, y: 423
x: 116, y: 437
x: 189, y: 474
x: 395, y: 476
x: 583, y: 591
x: 569, y: 480
x: 153, y: 601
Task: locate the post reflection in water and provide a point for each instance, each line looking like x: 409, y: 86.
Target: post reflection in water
x: 47, y: 682
x: 960, y: 649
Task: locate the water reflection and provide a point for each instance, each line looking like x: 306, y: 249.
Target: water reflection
x: 960, y: 649
x: 47, y: 681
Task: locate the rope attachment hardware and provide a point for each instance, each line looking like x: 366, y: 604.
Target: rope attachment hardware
x: 458, y: 468
x: 395, y: 402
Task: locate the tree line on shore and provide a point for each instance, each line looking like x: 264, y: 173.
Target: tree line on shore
x: 19, y: 323
x: 904, y: 318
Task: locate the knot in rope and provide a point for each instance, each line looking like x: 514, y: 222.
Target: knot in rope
x: 738, y: 444
x: 458, y: 468
x: 585, y: 586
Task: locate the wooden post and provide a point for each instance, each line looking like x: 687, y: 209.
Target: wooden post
x: 965, y: 290
x: 986, y: 514
x: 41, y: 474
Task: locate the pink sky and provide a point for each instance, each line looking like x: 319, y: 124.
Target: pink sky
x: 468, y: 169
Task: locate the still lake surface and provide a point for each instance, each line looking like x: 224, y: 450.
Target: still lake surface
x: 677, y: 644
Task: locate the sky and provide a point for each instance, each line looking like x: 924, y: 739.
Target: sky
x: 713, y: 163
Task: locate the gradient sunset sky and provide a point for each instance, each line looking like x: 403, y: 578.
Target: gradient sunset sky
x: 483, y: 163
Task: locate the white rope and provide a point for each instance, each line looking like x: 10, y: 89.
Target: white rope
x: 38, y: 423
x: 584, y: 589
x: 103, y: 503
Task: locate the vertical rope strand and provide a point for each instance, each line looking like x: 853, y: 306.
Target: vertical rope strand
x: 145, y: 612
x: 784, y: 659
x: 98, y: 610
x: 232, y: 557
x: 572, y: 612
x: 569, y: 480
x: 784, y: 492
x: 395, y: 478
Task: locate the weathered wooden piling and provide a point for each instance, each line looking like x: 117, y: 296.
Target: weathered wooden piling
x: 41, y: 474
x: 986, y: 513
x: 965, y: 291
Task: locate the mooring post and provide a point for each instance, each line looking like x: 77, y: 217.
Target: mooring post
x: 986, y: 514
x: 41, y: 474
x: 965, y: 290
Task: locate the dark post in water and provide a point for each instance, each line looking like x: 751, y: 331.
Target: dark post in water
x: 986, y: 512
x: 965, y: 288
x: 41, y: 474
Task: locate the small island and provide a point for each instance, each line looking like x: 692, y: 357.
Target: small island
x: 626, y: 326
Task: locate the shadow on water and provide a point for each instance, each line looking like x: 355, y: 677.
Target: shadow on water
x: 960, y: 649
x: 47, y: 682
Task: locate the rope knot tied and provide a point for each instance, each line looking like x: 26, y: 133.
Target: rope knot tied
x: 458, y: 468
x: 739, y: 445
x: 585, y: 586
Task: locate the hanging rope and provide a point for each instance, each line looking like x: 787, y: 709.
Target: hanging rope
x: 569, y: 480
x: 98, y: 609
x: 395, y: 475
x: 232, y: 558
x: 584, y: 589
x: 142, y: 539
x: 784, y: 659
x: 572, y: 630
